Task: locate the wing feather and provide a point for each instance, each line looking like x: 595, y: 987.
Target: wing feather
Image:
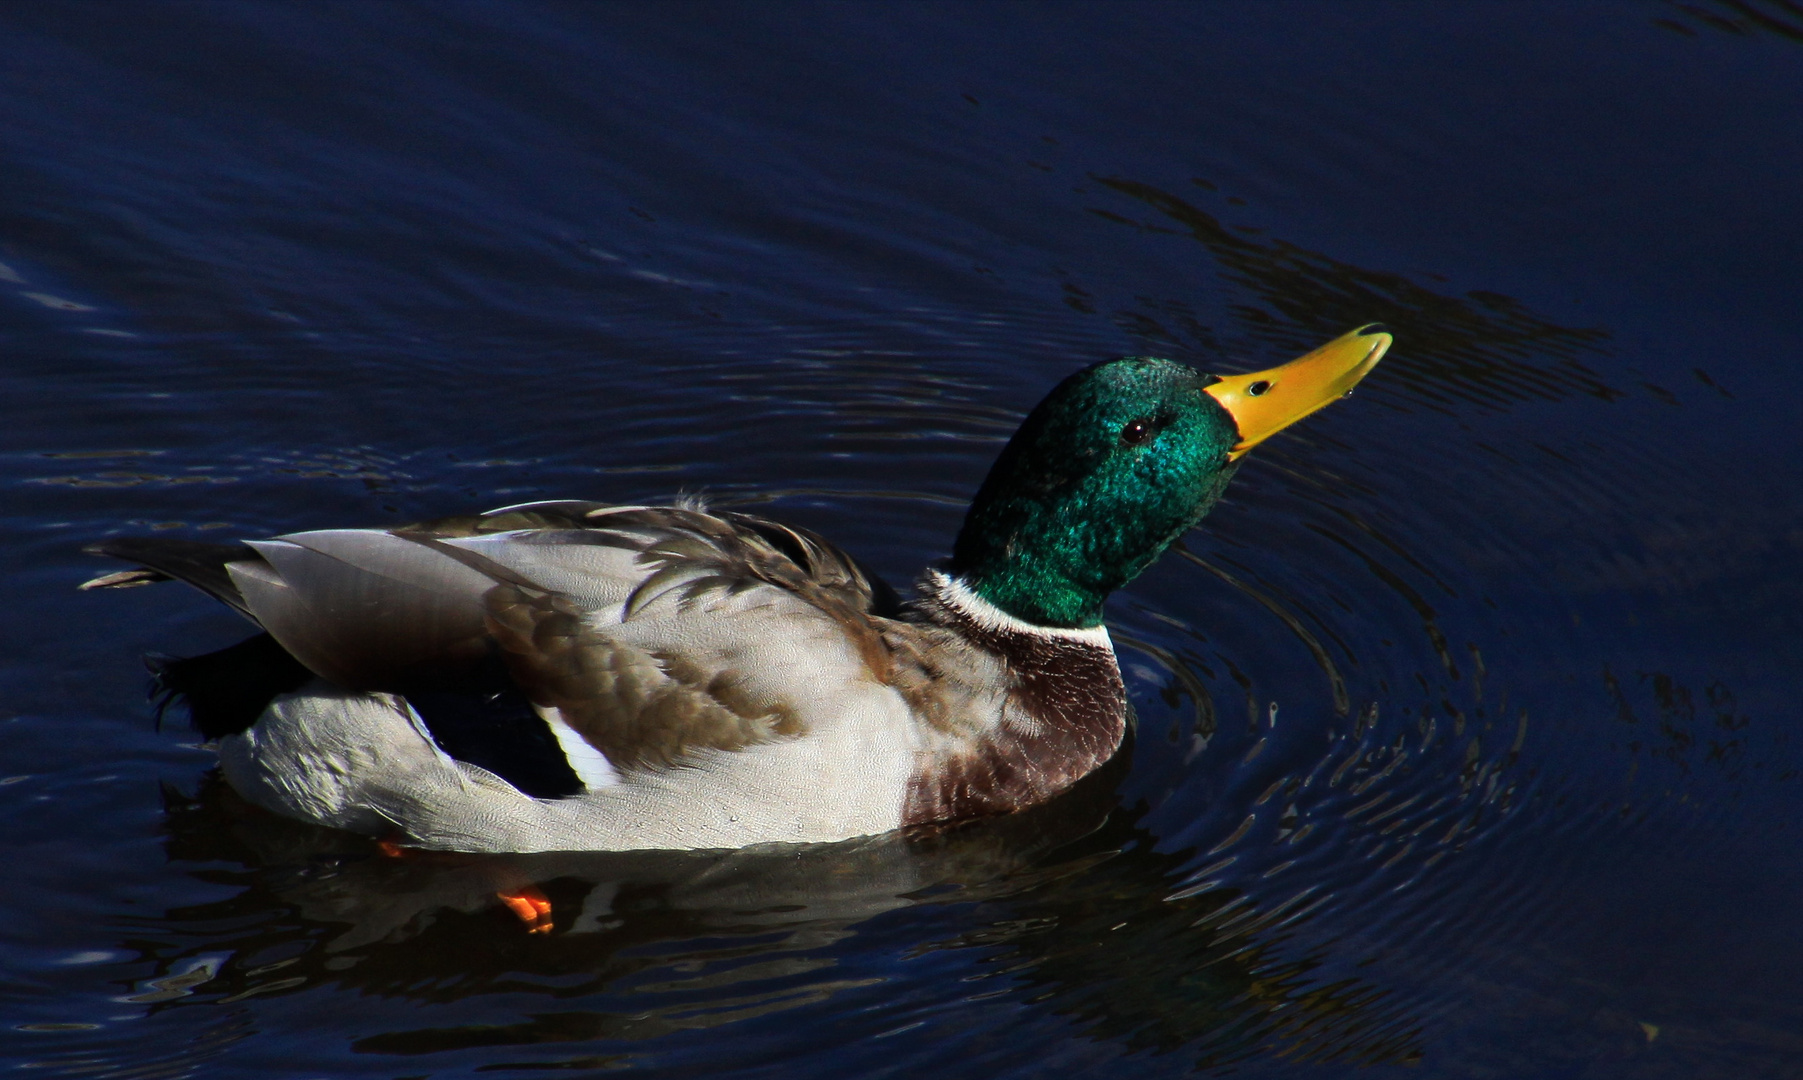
x: 636, y: 707
x: 202, y: 565
x: 542, y: 585
x: 366, y: 609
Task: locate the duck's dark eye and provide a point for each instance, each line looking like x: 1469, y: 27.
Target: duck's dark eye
x: 1137, y: 431
x: 1258, y: 388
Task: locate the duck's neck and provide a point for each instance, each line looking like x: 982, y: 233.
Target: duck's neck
x: 1065, y: 715
x: 976, y: 602
x: 1033, y: 593
x: 1052, y: 566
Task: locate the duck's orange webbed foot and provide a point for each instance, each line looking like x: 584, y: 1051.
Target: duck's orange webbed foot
x: 530, y: 906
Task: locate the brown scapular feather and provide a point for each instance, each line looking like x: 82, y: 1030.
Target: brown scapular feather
x: 636, y: 707
x: 700, y: 553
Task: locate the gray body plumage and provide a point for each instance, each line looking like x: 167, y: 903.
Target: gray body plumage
x: 715, y: 679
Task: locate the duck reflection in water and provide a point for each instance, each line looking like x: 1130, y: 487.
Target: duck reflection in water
x: 1067, y: 905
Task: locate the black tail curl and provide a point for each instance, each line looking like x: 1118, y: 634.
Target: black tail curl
x: 225, y: 691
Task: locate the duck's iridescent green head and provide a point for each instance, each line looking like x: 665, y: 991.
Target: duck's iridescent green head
x: 1120, y: 460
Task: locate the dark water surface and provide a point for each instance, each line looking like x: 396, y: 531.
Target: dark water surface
x: 1468, y: 724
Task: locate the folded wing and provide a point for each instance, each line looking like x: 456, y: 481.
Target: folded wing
x: 602, y: 615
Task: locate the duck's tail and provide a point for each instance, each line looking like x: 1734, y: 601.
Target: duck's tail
x: 225, y: 691
x: 196, y: 562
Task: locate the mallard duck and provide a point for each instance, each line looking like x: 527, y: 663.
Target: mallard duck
x: 582, y: 676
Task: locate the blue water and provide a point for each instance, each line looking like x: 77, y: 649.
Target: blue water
x: 1465, y: 725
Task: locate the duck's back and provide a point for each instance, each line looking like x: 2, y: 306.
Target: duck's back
x: 569, y: 675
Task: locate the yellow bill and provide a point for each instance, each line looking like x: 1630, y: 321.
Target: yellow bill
x: 1263, y: 403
